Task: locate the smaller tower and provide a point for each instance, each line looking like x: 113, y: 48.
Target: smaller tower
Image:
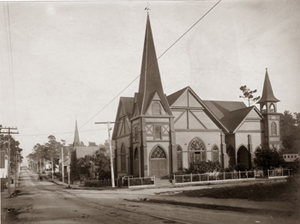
x: 268, y: 108
x: 76, y: 141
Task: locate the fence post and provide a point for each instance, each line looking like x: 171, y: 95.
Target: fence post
x: 232, y: 175
x: 199, y: 177
x: 141, y: 181
x: 289, y: 172
x: 191, y: 177
x: 207, y: 177
x: 268, y: 173
x: 282, y: 171
x: 223, y: 175
x: 239, y: 174
x: 128, y: 182
x: 246, y: 174
x: 182, y: 179
x: 174, y: 179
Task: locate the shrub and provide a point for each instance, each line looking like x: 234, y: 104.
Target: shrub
x: 267, y: 158
x: 204, y: 167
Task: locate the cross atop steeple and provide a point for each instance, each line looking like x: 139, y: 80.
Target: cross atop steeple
x: 147, y: 8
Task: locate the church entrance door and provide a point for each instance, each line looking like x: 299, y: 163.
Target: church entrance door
x: 243, y: 157
x: 158, y: 163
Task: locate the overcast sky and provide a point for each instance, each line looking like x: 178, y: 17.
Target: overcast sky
x: 62, y: 60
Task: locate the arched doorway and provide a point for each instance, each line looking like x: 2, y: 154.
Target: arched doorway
x: 231, y: 154
x: 243, y: 157
x: 136, y: 162
x: 158, y: 162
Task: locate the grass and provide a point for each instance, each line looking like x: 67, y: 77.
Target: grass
x: 287, y: 191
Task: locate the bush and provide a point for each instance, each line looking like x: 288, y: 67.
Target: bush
x: 267, y: 158
x: 204, y: 167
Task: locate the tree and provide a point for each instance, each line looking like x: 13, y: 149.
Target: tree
x: 290, y: 129
x: 51, y: 151
x: 248, y: 94
x: 268, y: 158
x: 15, y: 150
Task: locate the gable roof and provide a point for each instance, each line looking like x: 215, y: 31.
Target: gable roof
x: 175, y: 96
x: 230, y: 113
x: 127, y: 104
x: 82, y: 151
x: 267, y: 95
x: 150, y: 81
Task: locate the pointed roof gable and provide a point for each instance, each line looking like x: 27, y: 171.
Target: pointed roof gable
x: 126, y: 105
x: 76, y: 141
x: 267, y: 95
x: 175, y: 96
x: 150, y: 80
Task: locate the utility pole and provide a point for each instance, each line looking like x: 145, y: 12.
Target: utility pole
x: 8, y: 162
x: 62, y: 162
x: 69, y: 167
x: 110, y: 150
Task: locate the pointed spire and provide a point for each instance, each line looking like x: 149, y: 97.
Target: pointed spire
x: 267, y: 95
x: 150, y: 80
x: 76, y: 136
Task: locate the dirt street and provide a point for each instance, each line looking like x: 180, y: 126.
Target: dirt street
x: 46, y: 202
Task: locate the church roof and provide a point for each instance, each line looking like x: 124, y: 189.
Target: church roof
x: 150, y: 81
x: 174, y: 96
x: 230, y: 113
x: 127, y: 103
x: 267, y: 95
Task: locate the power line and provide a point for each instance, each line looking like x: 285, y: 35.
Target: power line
x: 151, y: 64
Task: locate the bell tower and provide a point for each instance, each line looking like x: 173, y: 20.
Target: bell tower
x: 268, y: 108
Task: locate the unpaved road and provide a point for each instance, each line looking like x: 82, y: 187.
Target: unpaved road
x: 46, y: 202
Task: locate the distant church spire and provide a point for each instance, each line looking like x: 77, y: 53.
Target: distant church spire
x: 267, y: 95
x: 150, y: 80
x: 76, y: 136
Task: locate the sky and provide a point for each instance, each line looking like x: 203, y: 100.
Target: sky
x: 67, y: 60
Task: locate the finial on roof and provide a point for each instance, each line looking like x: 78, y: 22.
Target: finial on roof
x: 266, y: 69
x: 147, y: 8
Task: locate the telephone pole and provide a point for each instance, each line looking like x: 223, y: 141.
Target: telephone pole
x: 8, y: 132
x: 110, y: 150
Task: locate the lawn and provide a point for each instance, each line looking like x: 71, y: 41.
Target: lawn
x: 287, y: 191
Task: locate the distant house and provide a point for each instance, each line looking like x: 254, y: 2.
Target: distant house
x: 291, y: 155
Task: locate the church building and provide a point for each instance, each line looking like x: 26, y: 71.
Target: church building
x: 158, y: 135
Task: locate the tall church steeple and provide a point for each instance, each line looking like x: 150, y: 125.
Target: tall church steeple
x: 76, y: 141
x: 150, y: 81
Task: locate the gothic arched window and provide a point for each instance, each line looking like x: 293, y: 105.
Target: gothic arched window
x: 123, y: 158
x: 273, y: 128
x: 197, y: 151
x: 136, y: 153
x: 179, y: 157
x: 272, y: 108
x: 215, y: 154
x: 158, y: 153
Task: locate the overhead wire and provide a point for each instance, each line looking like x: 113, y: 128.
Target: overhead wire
x: 150, y: 65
